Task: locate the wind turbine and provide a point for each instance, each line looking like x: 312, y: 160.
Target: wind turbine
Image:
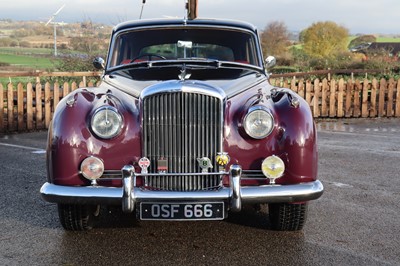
x: 55, y: 28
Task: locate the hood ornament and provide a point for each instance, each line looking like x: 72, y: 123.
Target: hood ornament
x: 184, y: 75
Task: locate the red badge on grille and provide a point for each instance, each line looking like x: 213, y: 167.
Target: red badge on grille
x: 144, y: 163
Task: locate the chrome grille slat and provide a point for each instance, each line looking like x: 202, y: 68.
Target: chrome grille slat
x: 181, y: 127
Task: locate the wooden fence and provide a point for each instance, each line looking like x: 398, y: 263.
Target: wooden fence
x: 26, y: 107
x: 30, y: 106
x: 348, y: 99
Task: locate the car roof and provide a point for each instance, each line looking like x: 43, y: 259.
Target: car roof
x: 189, y: 22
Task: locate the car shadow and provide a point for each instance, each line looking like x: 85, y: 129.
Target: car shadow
x: 254, y: 216
x: 249, y: 216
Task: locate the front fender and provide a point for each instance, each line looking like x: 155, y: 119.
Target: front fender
x: 297, y: 138
x: 70, y: 139
x: 293, y: 139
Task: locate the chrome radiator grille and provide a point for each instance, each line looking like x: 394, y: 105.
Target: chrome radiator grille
x: 181, y: 127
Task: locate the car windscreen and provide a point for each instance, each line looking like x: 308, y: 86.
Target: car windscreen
x: 183, y: 43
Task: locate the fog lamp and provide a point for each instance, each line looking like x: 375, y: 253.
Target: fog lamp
x: 92, y: 168
x: 273, y: 168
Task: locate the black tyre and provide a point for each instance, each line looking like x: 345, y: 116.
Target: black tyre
x: 287, y: 217
x: 77, y: 217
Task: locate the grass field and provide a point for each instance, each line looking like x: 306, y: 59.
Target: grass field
x: 378, y: 39
x: 26, y: 51
x: 40, y: 63
x: 387, y: 39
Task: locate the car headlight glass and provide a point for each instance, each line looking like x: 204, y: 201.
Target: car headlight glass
x: 106, y: 122
x: 92, y: 168
x: 273, y: 167
x: 258, y: 123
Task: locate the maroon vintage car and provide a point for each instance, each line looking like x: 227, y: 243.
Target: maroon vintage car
x: 184, y: 126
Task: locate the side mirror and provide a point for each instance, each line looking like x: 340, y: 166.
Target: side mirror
x: 270, y: 62
x: 99, y: 63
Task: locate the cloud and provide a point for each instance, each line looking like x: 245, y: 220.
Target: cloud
x: 365, y: 16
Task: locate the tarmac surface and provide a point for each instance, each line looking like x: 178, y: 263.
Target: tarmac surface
x: 355, y: 222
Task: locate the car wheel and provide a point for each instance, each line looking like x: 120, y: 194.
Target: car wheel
x: 77, y: 217
x: 287, y: 217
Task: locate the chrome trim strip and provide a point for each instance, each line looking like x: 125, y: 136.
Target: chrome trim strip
x: 113, y: 196
x: 81, y: 195
x: 246, y: 174
x: 282, y: 193
x: 183, y: 174
x: 172, y: 86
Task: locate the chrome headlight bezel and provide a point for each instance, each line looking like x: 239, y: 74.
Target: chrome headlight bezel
x: 268, y: 123
x: 99, y: 125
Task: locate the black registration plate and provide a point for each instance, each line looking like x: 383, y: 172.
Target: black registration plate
x: 182, y: 211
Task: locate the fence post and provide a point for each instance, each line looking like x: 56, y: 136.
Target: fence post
x: 397, y: 111
x: 56, y: 95
x: 332, y: 99
x: 349, y: 90
x: 65, y: 89
x: 374, y: 87
x: 364, y: 103
x: 74, y: 86
x: 316, y: 98
x: 382, y: 93
x: 47, y: 105
x: 301, y: 88
x: 38, y: 106
x: 357, y: 105
x: 20, y: 106
x: 324, y: 108
x: 341, y: 88
x: 29, y: 108
x: 293, y: 86
x: 308, y: 91
x: 389, y: 102
x: 10, y: 106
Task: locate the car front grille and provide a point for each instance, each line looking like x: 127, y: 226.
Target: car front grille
x: 178, y: 128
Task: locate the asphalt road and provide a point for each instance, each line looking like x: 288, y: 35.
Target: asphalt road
x: 356, y: 222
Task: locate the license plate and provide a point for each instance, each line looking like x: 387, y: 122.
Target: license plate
x: 182, y: 211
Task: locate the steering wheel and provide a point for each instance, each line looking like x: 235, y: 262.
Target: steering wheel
x: 149, y: 56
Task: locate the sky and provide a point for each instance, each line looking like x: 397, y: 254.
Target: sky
x: 358, y: 16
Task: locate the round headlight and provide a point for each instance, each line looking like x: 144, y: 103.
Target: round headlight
x: 92, y: 168
x: 258, y: 123
x: 106, y: 122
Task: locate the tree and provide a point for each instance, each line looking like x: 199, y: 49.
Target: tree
x: 275, y: 39
x: 324, y: 40
x: 85, y: 44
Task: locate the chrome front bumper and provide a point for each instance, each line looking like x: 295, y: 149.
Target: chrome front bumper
x: 128, y: 195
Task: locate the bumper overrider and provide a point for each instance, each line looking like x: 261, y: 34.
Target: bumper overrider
x: 128, y: 195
